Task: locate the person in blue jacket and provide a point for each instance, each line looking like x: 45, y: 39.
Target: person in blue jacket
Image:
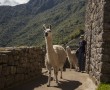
x: 81, y: 54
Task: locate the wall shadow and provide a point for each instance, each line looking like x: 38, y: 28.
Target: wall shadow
x: 33, y: 84
x: 68, y: 85
x: 63, y: 85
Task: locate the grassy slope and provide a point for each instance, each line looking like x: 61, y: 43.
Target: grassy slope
x: 27, y: 30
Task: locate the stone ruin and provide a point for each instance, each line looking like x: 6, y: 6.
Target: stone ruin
x: 97, y: 34
x: 19, y: 65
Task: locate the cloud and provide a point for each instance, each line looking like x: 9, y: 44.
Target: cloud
x: 21, y: 1
x: 12, y: 2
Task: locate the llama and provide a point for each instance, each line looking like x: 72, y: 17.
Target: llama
x: 72, y: 58
x: 55, y: 56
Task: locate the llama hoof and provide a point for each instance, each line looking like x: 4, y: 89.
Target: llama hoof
x: 48, y: 85
x: 76, y: 70
x: 57, y: 84
x: 52, y: 78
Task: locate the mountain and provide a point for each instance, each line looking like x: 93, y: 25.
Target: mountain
x: 22, y: 24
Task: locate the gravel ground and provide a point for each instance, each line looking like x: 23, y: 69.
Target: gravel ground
x: 71, y: 81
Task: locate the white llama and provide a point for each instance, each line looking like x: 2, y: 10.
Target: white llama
x: 72, y: 58
x: 55, y: 55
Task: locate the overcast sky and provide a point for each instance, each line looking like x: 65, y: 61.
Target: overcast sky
x: 12, y: 2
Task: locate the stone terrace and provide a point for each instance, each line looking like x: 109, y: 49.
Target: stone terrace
x: 19, y: 65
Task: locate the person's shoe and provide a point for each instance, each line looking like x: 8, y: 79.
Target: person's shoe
x: 64, y: 69
x: 82, y: 71
x: 79, y: 70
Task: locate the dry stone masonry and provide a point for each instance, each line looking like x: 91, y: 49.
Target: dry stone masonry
x: 19, y: 65
x: 97, y: 34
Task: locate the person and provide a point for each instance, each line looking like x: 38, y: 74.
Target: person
x: 81, y: 54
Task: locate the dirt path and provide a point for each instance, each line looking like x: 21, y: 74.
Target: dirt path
x: 71, y: 81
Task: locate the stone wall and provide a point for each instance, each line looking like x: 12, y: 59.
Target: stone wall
x: 19, y: 65
x: 97, y: 34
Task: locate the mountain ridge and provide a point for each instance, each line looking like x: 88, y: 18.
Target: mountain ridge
x: 24, y: 25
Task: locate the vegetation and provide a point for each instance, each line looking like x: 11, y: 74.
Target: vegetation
x: 104, y: 86
x: 22, y: 24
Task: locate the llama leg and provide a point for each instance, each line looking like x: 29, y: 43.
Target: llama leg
x: 55, y: 75
x: 61, y: 73
x: 76, y: 69
x: 70, y: 66
x: 49, y: 78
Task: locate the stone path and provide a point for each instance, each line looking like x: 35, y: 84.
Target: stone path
x: 71, y: 81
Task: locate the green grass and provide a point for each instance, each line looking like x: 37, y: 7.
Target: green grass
x: 104, y: 86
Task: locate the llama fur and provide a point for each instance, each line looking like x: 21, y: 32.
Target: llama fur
x: 72, y: 58
x: 55, y: 56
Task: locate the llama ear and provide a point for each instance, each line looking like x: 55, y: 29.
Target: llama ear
x: 50, y: 26
x: 44, y: 27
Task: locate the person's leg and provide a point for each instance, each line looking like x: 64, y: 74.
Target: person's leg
x: 79, y: 61
x: 83, y: 63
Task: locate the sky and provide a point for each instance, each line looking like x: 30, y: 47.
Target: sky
x: 12, y: 2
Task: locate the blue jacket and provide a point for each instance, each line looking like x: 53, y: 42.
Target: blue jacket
x: 82, y: 45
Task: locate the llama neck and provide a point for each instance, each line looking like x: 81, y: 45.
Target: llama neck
x: 49, y: 45
x: 68, y: 52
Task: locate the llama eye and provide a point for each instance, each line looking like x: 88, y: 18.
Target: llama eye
x: 46, y: 34
x: 49, y: 31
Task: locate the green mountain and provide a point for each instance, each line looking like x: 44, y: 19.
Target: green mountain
x: 22, y: 24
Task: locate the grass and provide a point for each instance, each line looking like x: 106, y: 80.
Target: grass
x: 104, y: 86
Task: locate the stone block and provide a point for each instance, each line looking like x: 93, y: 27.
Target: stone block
x: 2, y: 82
x: 0, y: 69
x: 105, y: 78
x: 13, y: 70
x: 11, y: 61
x: 19, y: 70
x: 17, y: 78
x: 106, y: 51
x: 106, y: 36
x: 0, y: 59
x: 4, y: 58
x: 105, y: 58
x: 105, y: 69
x: 9, y: 80
x: 5, y: 71
x: 100, y: 45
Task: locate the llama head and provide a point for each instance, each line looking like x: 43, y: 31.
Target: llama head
x: 68, y: 48
x: 47, y: 31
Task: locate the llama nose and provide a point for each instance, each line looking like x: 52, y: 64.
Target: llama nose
x: 46, y: 34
